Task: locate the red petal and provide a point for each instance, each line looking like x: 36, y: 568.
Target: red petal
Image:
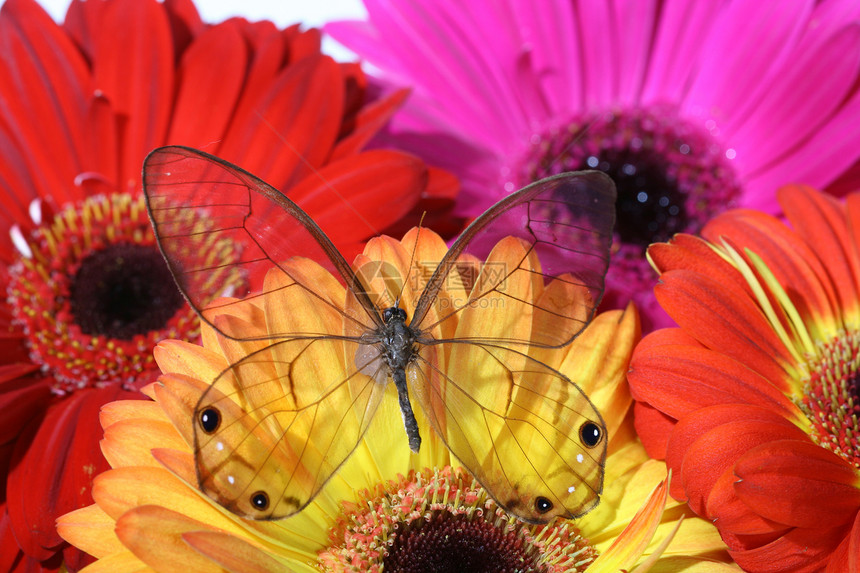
x: 303, y: 43
x: 370, y: 119
x: 290, y: 130
x: 53, y: 467
x: 133, y: 66
x: 798, y: 551
x: 42, y: 86
x: 211, y: 76
x: 13, y: 560
x: 678, y: 379
x: 707, y: 442
x: 654, y: 429
x: 821, y: 221
x: 722, y: 317
x: 847, y: 555
x: 359, y: 196
x: 799, y: 484
x: 738, y: 524
x: 22, y: 397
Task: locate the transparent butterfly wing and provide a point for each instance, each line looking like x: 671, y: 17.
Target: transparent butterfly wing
x: 519, y: 426
x: 285, y: 421
x: 221, y: 229
x: 280, y: 435
x: 567, y: 220
x: 516, y: 424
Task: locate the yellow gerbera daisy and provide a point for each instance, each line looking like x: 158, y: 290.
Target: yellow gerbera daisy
x: 386, y: 507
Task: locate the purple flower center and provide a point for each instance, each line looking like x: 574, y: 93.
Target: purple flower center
x: 672, y: 176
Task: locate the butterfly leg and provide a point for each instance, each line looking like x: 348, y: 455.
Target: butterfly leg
x: 399, y: 376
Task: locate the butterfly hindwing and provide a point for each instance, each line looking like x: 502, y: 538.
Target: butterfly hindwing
x: 518, y: 426
x: 275, y: 426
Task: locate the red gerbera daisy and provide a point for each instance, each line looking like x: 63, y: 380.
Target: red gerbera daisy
x: 86, y: 292
x: 754, y: 400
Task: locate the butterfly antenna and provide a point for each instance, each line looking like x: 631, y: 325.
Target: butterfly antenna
x: 316, y: 172
x: 412, y: 259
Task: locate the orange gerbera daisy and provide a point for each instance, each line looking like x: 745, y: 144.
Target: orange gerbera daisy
x: 385, y: 505
x: 754, y: 400
x: 86, y: 293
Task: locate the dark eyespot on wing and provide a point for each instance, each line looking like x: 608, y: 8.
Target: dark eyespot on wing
x: 590, y: 434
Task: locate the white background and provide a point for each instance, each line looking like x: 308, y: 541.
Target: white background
x: 310, y: 13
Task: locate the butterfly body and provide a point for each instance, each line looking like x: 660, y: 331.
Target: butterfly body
x: 395, y: 343
x: 311, y: 346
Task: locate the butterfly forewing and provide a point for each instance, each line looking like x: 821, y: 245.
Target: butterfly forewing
x: 565, y: 220
x: 221, y: 229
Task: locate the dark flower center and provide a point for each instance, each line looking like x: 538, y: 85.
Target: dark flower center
x: 123, y: 290
x: 671, y: 175
x: 445, y: 542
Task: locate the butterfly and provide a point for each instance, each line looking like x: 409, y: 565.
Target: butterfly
x: 275, y: 425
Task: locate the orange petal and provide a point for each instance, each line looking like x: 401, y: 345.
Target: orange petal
x: 695, y: 254
x: 799, y: 484
x: 821, y: 221
x: 154, y: 535
x: 722, y: 317
x: 799, y: 550
x: 788, y: 257
x: 230, y: 552
x: 706, y: 443
x: 681, y: 378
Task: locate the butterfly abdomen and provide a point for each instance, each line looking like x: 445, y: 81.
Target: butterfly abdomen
x: 398, y: 350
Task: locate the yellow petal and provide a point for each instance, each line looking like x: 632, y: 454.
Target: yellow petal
x: 628, y: 547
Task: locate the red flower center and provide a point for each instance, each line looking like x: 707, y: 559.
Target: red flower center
x: 94, y: 296
x: 831, y: 398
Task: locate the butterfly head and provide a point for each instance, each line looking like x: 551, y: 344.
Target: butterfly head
x: 393, y: 313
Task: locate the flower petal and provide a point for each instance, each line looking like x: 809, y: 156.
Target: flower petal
x: 369, y: 185
x: 821, y: 221
x: 654, y: 429
x: 67, y: 436
x: 90, y: 529
x: 216, y: 62
x: 629, y: 546
x: 798, y: 483
x: 133, y: 67
x: 791, y: 260
x: 154, y: 535
x: 799, y: 550
x: 231, y: 552
x: 706, y: 443
x: 723, y: 317
x: 683, y: 378
x: 290, y: 129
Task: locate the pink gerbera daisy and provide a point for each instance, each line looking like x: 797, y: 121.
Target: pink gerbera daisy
x: 691, y: 106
